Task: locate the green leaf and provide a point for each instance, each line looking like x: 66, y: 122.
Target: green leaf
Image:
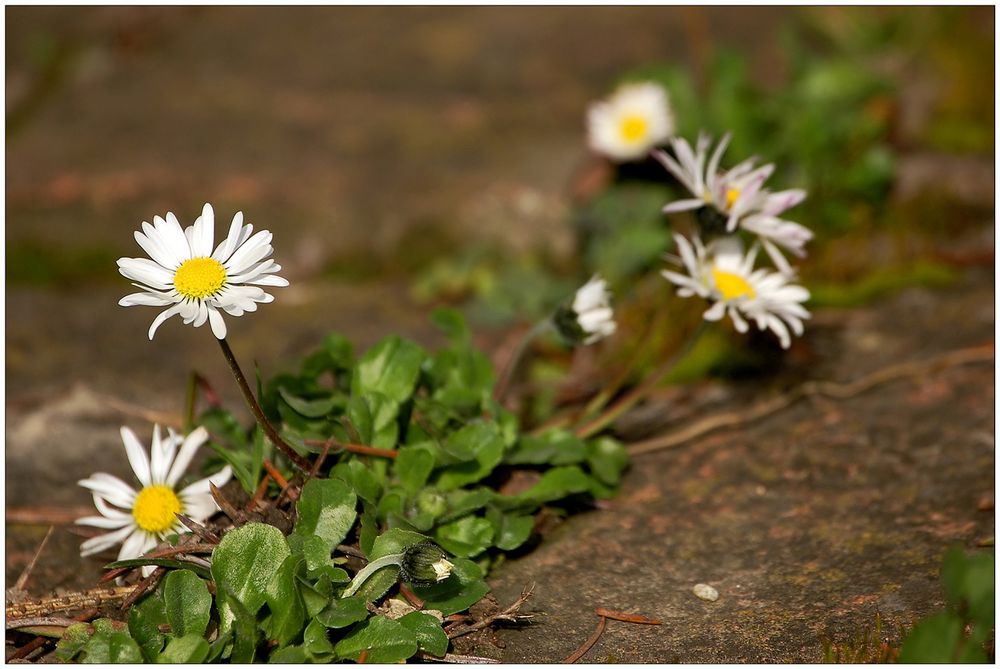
x: 355, y: 474
x: 555, y: 484
x: 391, y: 542
x: 463, y: 502
x: 317, y: 643
x: 374, y: 417
x: 159, y: 562
x: 242, y: 565
x: 510, y: 530
x: 387, y: 641
x: 110, y: 644
x: 187, y: 649
x: 969, y: 579
x: 73, y: 641
x: 283, y: 599
x: 430, y: 637
x: 391, y: 367
x: 310, y: 408
x: 144, y: 620
x: 463, y: 588
x: 327, y: 509
x: 466, y: 537
x: 477, y: 448
x: 932, y: 640
x: 413, y: 465
x: 369, y: 528
x: 343, y: 612
x: 553, y: 447
x: 607, y: 459
x: 187, y: 602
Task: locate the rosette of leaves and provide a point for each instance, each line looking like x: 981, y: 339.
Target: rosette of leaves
x: 455, y: 453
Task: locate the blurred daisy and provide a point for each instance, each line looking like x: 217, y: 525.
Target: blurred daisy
x: 636, y: 118
x: 191, y: 279
x: 590, y: 318
x: 139, y: 520
x: 723, y: 274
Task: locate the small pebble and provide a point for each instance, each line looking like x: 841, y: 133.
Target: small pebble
x: 706, y: 592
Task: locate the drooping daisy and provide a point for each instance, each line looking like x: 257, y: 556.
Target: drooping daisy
x: 590, y: 318
x: 141, y: 519
x: 636, y: 118
x: 733, y: 193
x: 737, y: 196
x: 724, y: 275
x: 193, y: 280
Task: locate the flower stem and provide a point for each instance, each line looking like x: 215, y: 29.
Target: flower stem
x: 598, y: 402
x: 257, y: 412
x: 371, y: 568
x: 515, y: 360
x: 640, y: 391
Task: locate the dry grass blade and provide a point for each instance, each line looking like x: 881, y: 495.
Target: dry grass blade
x: 198, y: 529
x: 589, y: 643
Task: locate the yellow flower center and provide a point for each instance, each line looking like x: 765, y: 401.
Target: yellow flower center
x: 732, y: 194
x: 731, y: 285
x: 199, y: 278
x: 633, y: 128
x: 154, y: 508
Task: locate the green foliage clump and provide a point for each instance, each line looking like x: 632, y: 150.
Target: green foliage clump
x: 445, y: 450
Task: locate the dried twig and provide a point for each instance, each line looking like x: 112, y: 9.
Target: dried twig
x: 589, y: 643
x: 509, y: 614
x: 45, y: 515
x: 72, y: 601
x: 360, y: 449
x: 198, y: 529
x: 965, y: 356
x: 144, y: 586
x: 39, y: 641
x: 626, y: 617
x: 258, y: 495
x: 451, y: 658
x: 276, y: 475
x: 23, y: 578
x: 234, y: 514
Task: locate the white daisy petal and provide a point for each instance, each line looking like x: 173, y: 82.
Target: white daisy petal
x: 218, y: 323
x: 135, y: 545
x: 164, y: 315
x: 101, y: 521
x: 186, y: 453
x: 111, y: 488
x: 136, y: 456
x: 103, y: 542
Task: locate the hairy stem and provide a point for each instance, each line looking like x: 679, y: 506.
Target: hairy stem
x: 640, y: 391
x: 258, y: 413
x: 371, y: 568
x: 515, y: 360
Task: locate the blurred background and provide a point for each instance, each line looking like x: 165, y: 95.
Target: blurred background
x: 412, y: 157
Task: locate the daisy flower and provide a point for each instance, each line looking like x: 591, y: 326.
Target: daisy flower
x: 590, y: 318
x: 632, y: 121
x: 737, y: 195
x: 723, y: 274
x: 141, y: 519
x: 191, y: 279
x: 732, y: 193
x: 774, y: 231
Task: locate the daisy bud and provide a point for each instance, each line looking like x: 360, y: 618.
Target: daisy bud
x: 590, y: 317
x: 425, y: 564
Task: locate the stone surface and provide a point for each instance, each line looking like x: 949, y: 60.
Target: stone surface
x: 807, y: 522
